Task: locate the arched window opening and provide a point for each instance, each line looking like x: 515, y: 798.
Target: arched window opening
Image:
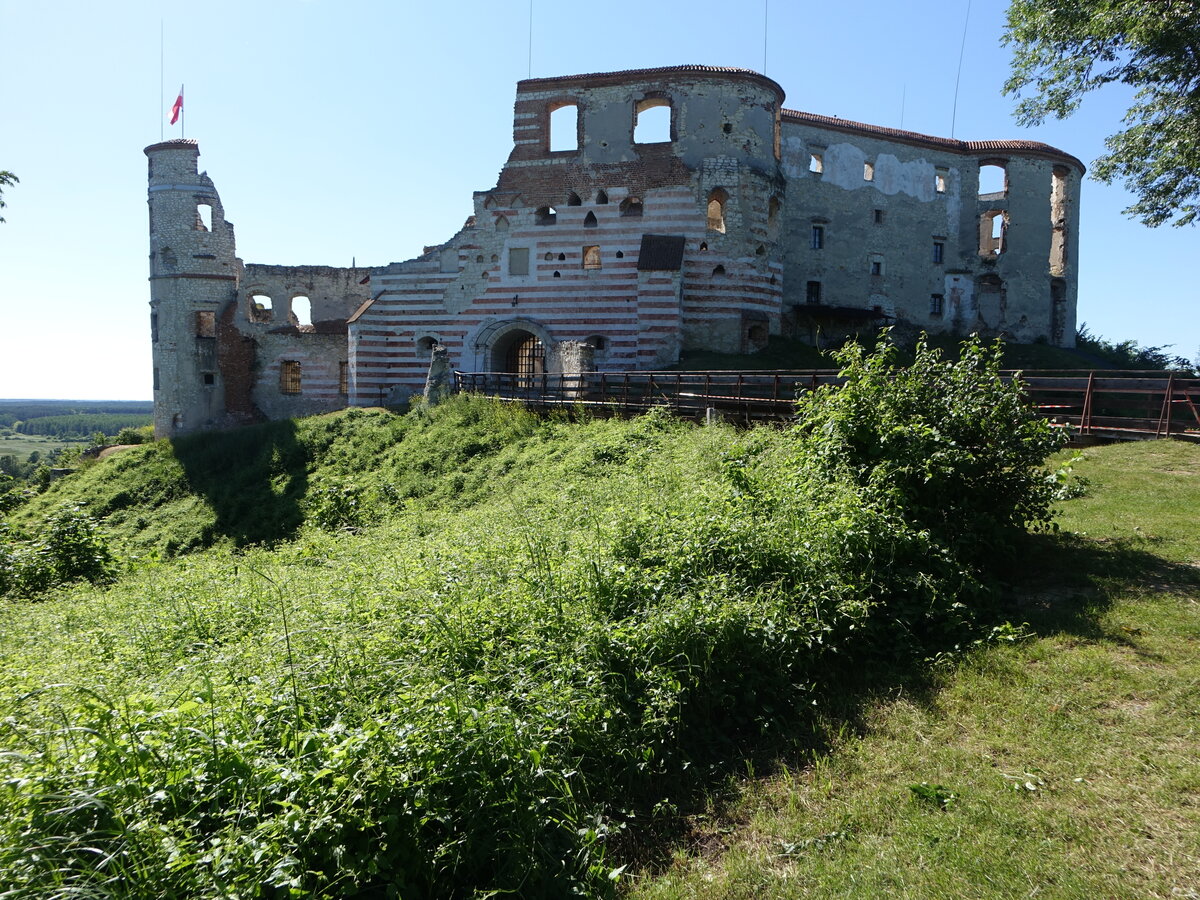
x: 591, y: 257
x: 261, y: 309
x: 301, y: 311
x: 561, y: 257
x: 652, y: 121
x: 549, y: 257
x: 426, y: 346
x: 204, y: 217
x: 597, y: 342
x: 760, y: 250
x: 993, y: 179
x: 501, y: 223
x: 631, y: 206
x: 993, y: 232
x: 564, y: 128
x: 589, y: 221
x: 868, y: 171
x: 545, y: 215
x: 601, y: 197
x: 756, y: 336
x: 573, y: 199
x: 718, y: 271
x: 558, y: 274
x: 704, y: 246
x: 717, y: 198
x: 620, y: 254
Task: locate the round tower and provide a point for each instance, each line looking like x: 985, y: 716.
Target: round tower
x: 193, y: 275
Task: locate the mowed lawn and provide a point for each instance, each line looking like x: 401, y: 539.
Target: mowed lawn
x: 1063, y: 764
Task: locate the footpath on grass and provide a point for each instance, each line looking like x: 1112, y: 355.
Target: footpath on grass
x: 1060, y: 761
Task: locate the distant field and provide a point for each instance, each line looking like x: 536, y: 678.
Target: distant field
x: 28, y: 425
x: 21, y: 445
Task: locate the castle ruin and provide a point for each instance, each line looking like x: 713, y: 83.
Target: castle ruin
x: 639, y: 213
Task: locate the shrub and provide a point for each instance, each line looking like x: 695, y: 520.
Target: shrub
x: 70, y: 548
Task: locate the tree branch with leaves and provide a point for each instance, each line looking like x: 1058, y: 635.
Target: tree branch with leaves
x: 1065, y: 49
x: 7, y: 179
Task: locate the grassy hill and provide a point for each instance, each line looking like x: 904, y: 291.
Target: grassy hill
x: 469, y: 650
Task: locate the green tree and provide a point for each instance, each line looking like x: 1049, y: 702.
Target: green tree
x: 1064, y: 49
x: 7, y: 179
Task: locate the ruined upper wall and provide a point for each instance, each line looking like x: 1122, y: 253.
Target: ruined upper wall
x: 702, y: 113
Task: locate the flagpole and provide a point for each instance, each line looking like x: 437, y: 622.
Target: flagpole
x: 162, y: 97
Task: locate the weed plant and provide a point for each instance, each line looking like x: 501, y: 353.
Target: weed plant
x: 513, y: 641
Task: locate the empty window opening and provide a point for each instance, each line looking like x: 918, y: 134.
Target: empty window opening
x: 939, y: 179
x: 716, y: 209
x: 426, y: 345
x: 564, y: 128
x: 518, y: 261
x: 704, y: 246
x: 561, y: 257
x: 993, y: 179
x: 206, y: 323
x: 876, y: 265
x: 557, y: 274
x: 719, y: 270
x: 343, y: 378
x: 620, y: 254
x: 495, y: 257
x: 154, y: 328
x: 757, y: 335
x: 939, y: 252
x: 301, y: 311
x: 760, y: 250
x: 812, y: 292
x: 155, y: 382
x: 937, y: 303
x: 204, y: 217
x: 817, y: 242
x: 545, y: 215
x: 591, y: 257
x: 573, y: 199
x: 631, y: 206
x: 289, y: 376
x: 208, y: 378
x: 993, y: 232
x: 816, y: 163
x: 589, y: 221
x: 727, y: 128
x: 549, y: 257
x: 773, y: 206
x: 260, y: 308
x: 1058, y: 220
x: 602, y: 198
x: 652, y: 121
x: 878, y: 217
x: 597, y: 342
x: 868, y: 171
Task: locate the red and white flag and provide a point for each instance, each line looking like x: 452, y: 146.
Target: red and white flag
x: 177, y: 106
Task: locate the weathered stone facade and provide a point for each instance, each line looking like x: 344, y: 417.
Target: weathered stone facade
x: 606, y: 245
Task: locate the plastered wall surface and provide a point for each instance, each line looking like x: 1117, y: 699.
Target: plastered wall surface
x: 639, y: 213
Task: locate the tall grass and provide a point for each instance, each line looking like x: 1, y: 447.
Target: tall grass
x: 536, y: 637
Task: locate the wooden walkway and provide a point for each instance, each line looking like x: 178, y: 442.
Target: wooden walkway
x: 1111, y: 404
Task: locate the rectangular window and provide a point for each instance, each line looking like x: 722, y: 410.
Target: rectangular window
x: 939, y: 252
x: 816, y: 163
x: 154, y: 327
x: 156, y: 378
x: 209, y: 379
x: 818, y: 237
x: 289, y: 376
x: 343, y: 378
x: 868, y: 171
x: 939, y: 180
x: 206, y: 323
x: 876, y: 265
x: 591, y: 257
x: 518, y: 261
x: 936, y: 303
x: 879, y: 217
x: 812, y: 292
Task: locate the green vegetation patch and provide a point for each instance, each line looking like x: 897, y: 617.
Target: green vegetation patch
x: 496, y: 652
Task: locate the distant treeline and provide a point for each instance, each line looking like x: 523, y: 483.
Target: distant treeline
x: 81, y: 424
x: 133, y: 413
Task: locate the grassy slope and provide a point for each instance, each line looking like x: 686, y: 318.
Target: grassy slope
x: 1074, y: 756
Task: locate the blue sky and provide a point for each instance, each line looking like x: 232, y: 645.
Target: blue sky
x: 340, y: 131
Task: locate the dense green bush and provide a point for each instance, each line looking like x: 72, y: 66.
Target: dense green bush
x: 555, y: 632
x: 68, y: 547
